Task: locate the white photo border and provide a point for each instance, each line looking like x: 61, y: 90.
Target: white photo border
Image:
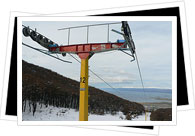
x: 110, y: 123
x: 130, y: 129
x: 114, y: 10
x: 7, y: 65
x: 14, y: 14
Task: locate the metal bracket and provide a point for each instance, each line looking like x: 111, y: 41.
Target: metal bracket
x: 128, y: 40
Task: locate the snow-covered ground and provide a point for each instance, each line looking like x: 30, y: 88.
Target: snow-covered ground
x: 142, y: 117
x: 51, y: 113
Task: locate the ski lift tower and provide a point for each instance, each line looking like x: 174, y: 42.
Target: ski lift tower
x: 85, y: 52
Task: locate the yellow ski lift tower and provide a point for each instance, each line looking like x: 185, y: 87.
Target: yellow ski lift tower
x: 85, y: 51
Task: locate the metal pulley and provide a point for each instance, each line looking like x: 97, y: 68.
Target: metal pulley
x: 33, y: 35
x: 39, y: 38
x: 127, y: 36
x: 126, y: 33
x: 63, y: 54
x: 26, y: 31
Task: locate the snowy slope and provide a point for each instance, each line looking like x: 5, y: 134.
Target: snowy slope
x: 52, y: 113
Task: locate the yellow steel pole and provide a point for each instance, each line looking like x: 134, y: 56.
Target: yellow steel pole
x: 83, y: 104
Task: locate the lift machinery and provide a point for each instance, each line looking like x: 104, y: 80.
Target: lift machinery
x: 85, y: 52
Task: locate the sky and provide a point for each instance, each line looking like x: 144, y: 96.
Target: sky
x: 153, y: 42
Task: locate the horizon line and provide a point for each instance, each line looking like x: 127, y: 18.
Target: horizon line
x: 142, y: 87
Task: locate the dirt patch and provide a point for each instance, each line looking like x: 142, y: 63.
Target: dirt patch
x: 161, y: 115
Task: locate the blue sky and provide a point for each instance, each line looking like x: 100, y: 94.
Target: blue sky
x: 153, y: 41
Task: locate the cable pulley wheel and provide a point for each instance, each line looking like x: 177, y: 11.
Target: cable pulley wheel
x: 39, y: 37
x: 26, y: 31
x: 45, y: 40
x: 33, y: 35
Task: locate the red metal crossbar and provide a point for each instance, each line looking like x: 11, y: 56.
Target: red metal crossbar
x: 86, y: 48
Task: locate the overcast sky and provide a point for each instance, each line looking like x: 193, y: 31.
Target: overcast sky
x: 153, y: 41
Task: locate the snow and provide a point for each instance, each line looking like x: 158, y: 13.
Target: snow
x: 65, y: 114
x: 142, y: 117
x: 52, y: 113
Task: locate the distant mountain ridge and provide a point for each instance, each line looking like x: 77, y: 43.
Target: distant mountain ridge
x: 43, y: 86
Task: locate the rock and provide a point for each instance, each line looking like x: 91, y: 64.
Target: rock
x: 161, y: 115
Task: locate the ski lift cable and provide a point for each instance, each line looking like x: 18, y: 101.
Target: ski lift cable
x: 139, y: 69
x: 141, y: 78
x: 93, y: 73
x: 129, y: 41
x: 45, y: 53
x: 128, y: 37
x: 140, y: 74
